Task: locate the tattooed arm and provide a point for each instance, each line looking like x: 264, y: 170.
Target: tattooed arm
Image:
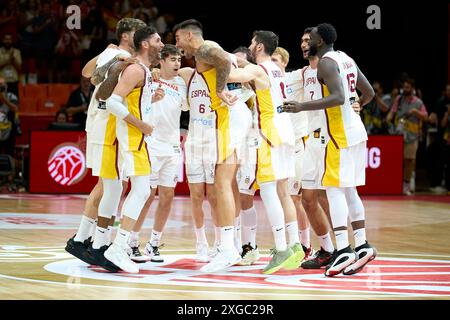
x: 107, y: 87
x: 219, y: 59
x: 100, y: 72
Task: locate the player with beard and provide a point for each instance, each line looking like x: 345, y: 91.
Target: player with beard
x: 344, y: 159
x: 133, y: 95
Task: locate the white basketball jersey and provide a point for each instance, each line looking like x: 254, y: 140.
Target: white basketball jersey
x: 294, y: 91
x: 201, y: 115
x: 313, y: 91
x: 275, y: 125
x: 165, y: 116
x: 93, y: 109
x: 345, y: 126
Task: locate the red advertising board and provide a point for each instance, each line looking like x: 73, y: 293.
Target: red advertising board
x: 57, y: 164
x: 384, y: 165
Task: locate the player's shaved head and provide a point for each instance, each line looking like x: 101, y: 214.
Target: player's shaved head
x: 327, y: 32
x: 191, y: 25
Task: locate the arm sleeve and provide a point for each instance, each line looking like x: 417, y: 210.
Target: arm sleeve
x: 114, y: 104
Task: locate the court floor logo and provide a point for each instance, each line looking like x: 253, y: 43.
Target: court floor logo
x: 385, y: 276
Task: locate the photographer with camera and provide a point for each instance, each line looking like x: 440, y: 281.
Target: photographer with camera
x: 8, y: 124
x: 408, y: 112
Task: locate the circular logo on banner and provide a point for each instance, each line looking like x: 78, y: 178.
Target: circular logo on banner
x: 67, y: 164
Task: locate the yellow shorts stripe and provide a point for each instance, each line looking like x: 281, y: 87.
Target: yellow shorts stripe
x: 109, y: 168
x: 141, y: 161
x: 331, y: 175
x: 223, y: 134
x: 264, y: 171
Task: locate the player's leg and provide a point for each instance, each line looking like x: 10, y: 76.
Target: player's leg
x: 132, y: 207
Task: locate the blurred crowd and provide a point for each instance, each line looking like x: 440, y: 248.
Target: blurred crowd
x: 38, y: 29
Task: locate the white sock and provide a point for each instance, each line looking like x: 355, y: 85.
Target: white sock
x: 292, y: 231
x: 134, y: 237
x: 360, y: 236
x: 201, y: 235
x: 155, y: 239
x: 92, y: 230
x: 226, y: 237
x: 100, y: 238
x: 237, y: 234
x: 341, y: 239
x: 122, y: 237
x: 326, y: 243
x: 109, y: 233
x: 305, y: 237
x: 279, y: 235
x: 269, y: 195
x: 249, y: 223
x: 84, y: 229
x: 216, y: 236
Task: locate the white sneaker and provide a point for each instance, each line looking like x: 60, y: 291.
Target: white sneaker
x: 135, y: 254
x: 223, y: 260
x: 249, y: 255
x: 202, y: 252
x: 120, y: 258
x: 153, y: 252
x: 213, y: 252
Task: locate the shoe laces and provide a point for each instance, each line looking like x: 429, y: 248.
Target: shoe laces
x: 273, y: 251
x: 155, y: 249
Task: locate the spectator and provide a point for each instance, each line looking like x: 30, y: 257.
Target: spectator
x: 94, y: 30
x: 61, y: 116
x: 78, y: 102
x: 164, y: 24
x: 111, y: 16
x: 68, y: 51
x: 408, y: 111
x: 26, y: 42
x: 445, y: 124
x: 44, y: 29
x: 438, y: 149
x: 9, y: 106
x: 10, y: 20
x: 10, y: 64
x: 374, y: 113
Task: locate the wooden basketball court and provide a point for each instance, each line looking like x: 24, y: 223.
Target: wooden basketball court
x: 410, y: 233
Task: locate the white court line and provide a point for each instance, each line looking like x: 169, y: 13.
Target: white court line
x: 406, y: 295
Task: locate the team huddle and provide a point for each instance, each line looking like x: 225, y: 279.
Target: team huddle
x: 296, y: 136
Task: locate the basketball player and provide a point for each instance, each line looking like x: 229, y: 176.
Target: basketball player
x: 275, y: 156
x: 78, y: 245
x: 232, y: 123
x: 246, y: 178
x: 134, y: 92
x: 294, y: 91
x: 165, y: 152
x: 345, y: 150
x: 313, y: 193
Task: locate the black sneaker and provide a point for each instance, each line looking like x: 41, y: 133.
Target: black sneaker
x: 366, y: 253
x: 320, y: 259
x: 249, y: 255
x: 79, y: 249
x: 341, y: 260
x: 97, y: 255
